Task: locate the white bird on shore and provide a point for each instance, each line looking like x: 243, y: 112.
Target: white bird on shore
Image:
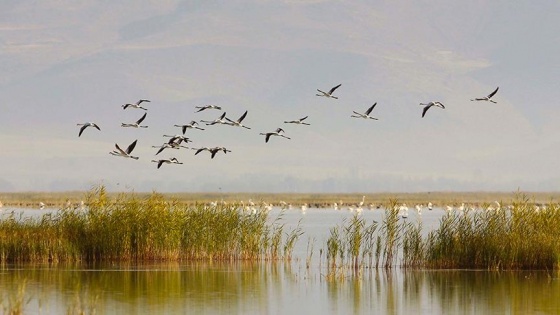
x: 41, y: 205
x: 137, y: 123
x: 205, y: 107
x: 362, y: 202
x: 192, y: 125
x: 85, y: 125
x: 430, y: 206
x: 166, y: 161
x: 277, y: 133
x: 403, y: 211
x: 329, y: 94
x: 488, y: 98
x: 366, y: 114
x: 237, y: 123
x: 298, y: 122
x: 430, y: 104
x: 136, y: 105
x: 419, y: 209
x: 126, y: 154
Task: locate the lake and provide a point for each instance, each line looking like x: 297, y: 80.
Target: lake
x: 277, y: 288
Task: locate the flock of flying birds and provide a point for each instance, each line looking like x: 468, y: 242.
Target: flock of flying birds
x: 176, y: 141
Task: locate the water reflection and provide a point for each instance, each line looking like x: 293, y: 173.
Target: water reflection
x: 274, y: 288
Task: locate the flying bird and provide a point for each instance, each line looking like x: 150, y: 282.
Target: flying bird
x: 126, y: 154
x: 192, y: 125
x: 366, y: 114
x: 212, y: 151
x: 297, y: 122
x: 488, y: 98
x: 220, y: 120
x: 85, y: 125
x: 238, y: 121
x: 169, y: 145
x: 279, y: 133
x: 430, y: 104
x: 166, y: 161
x: 178, y: 139
x: 329, y: 94
x: 205, y: 107
x: 136, y: 105
x: 137, y: 123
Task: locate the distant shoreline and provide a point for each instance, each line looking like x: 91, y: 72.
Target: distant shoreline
x: 438, y: 198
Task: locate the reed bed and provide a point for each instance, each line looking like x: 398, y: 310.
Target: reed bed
x: 514, y: 238
x: 519, y: 237
x: 128, y: 228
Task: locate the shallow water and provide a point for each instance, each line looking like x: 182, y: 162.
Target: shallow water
x: 278, y: 288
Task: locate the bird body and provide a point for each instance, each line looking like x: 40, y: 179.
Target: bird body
x: 192, y: 125
x: 329, y: 93
x: 85, y: 125
x: 136, y: 105
x: 366, y: 114
x: 166, y: 161
x: 169, y: 145
x: 429, y: 105
x: 488, y: 98
x: 238, y: 121
x: 298, y: 122
x: 137, y: 123
x: 219, y: 120
x: 279, y: 132
x: 212, y: 151
x: 123, y: 153
x: 205, y: 107
x: 178, y: 139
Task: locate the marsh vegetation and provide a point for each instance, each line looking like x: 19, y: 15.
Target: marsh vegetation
x: 127, y: 227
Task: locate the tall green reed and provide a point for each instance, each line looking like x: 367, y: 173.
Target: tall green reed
x: 129, y: 228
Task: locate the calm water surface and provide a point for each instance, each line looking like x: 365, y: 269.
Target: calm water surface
x: 281, y: 288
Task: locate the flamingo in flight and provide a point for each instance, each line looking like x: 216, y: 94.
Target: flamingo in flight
x: 166, y: 161
x: 430, y: 104
x: 205, y: 107
x: 85, y: 125
x: 212, y: 151
x: 219, y: 120
x: 488, y: 98
x: 298, y: 122
x: 123, y: 153
x: 366, y: 114
x: 278, y: 133
x: 169, y: 145
x: 192, y: 125
x: 137, y: 123
x: 329, y: 94
x: 136, y: 105
x: 238, y: 121
x: 178, y: 139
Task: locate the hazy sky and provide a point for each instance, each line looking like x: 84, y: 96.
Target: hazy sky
x: 67, y: 62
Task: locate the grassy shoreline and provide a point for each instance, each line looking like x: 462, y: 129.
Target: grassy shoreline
x: 129, y: 228
x: 318, y: 200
